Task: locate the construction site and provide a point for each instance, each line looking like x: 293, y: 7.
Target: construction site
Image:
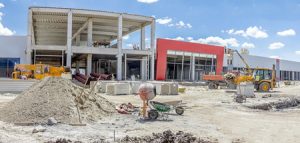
x: 77, y: 83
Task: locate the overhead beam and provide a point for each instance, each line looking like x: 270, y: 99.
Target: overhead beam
x: 102, y: 33
x: 137, y: 17
x: 113, y: 28
x: 80, y: 29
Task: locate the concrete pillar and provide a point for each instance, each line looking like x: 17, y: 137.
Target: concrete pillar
x: 69, y: 40
x: 89, y: 64
x: 77, y: 67
x: 193, y: 68
x: 78, y: 40
x: 90, y: 33
x: 144, y: 59
x: 120, y: 53
x: 152, y: 49
x: 29, y: 38
x: 143, y: 40
x: 144, y: 68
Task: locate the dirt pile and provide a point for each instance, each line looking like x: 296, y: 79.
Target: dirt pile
x: 167, y: 137
x: 274, y: 103
x: 54, y: 97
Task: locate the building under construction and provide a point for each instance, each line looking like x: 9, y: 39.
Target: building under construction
x: 90, y: 41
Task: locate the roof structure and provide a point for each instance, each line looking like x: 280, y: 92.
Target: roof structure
x: 49, y: 24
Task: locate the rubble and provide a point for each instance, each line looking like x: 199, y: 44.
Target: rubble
x: 39, y: 129
x: 275, y: 104
x: 51, y: 121
x: 167, y: 137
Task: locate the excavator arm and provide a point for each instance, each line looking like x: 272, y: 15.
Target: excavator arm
x: 249, y: 71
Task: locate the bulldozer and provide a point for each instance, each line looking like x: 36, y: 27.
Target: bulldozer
x: 36, y: 71
x: 262, y: 78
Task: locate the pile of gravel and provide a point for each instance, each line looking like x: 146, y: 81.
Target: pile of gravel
x: 54, y: 97
x: 167, y: 137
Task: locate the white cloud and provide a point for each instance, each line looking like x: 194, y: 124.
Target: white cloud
x: 147, y: 1
x: 288, y: 32
x: 164, y: 21
x: 275, y: 57
x: 254, y: 32
x: 179, y: 38
x: 126, y: 37
x: 1, y: 14
x: 276, y: 45
x: 297, y: 52
x: 181, y: 24
x: 230, y: 42
x: 248, y: 45
x: 2, y: 5
x: 190, y: 38
x: 4, y: 31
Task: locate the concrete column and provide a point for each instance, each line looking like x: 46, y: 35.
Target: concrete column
x: 69, y: 40
x: 78, y: 40
x: 89, y: 64
x: 152, y: 49
x: 29, y: 38
x: 90, y: 34
x: 144, y: 59
x: 144, y: 68
x: 143, y: 40
x: 120, y: 53
x: 77, y: 67
x: 193, y: 68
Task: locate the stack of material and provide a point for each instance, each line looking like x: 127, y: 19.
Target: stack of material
x: 117, y: 89
x: 102, y: 76
x: 164, y: 88
x: 246, y: 89
x: 55, y: 97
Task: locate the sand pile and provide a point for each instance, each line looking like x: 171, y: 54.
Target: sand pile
x: 55, y: 97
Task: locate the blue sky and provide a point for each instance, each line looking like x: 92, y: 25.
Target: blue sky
x: 267, y: 28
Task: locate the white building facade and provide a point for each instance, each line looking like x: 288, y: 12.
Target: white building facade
x: 285, y: 70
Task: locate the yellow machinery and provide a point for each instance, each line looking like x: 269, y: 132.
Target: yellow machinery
x: 36, y: 71
x: 263, y: 79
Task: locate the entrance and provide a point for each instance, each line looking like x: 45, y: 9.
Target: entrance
x: 7, y: 66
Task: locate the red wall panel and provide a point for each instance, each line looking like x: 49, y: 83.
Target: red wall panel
x: 163, y: 45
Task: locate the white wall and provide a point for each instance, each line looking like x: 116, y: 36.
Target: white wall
x: 13, y: 47
x: 263, y: 62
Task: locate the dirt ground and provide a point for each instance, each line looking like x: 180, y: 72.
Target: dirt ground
x: 209, y: 113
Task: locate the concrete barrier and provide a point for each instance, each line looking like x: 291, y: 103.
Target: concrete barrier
x: 117, y: 89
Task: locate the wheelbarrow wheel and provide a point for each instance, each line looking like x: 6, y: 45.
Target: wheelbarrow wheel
x: 179, y: 110
x: 153, y: 114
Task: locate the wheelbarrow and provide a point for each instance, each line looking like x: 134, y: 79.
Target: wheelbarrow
x: 162, y: 109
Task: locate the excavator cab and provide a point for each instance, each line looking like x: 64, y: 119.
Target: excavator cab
x: 263, y: 79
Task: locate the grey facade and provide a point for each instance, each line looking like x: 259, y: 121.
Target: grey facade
x: 288, y: 70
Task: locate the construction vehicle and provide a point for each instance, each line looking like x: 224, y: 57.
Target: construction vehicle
x: 262, y: 78
x: 36, y: 71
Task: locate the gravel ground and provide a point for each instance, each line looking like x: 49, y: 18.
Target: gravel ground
x: 210, y: 114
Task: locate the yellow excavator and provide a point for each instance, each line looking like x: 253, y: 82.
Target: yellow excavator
x: 263, y: 79
x: 36, y: 71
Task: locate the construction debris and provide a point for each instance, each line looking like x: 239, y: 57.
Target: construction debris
x: 55, y: 97
x: 39, y: 129
x: 275, y: 104
x: 167, y: 137
x: 51, y: 121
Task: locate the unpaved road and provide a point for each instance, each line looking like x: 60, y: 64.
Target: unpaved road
x: 210, y: 113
